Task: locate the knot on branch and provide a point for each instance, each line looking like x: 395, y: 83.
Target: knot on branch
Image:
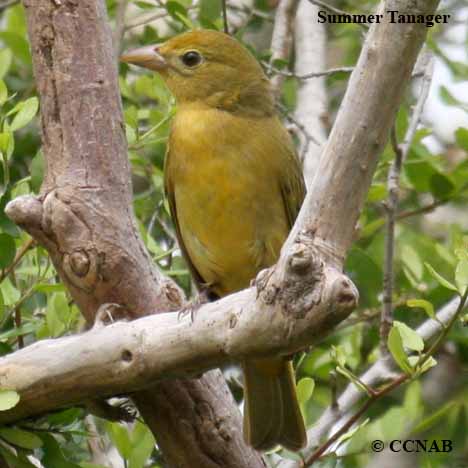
x: 26, y: 212
x: 344, y: 297
x: 55, y: 222
x: 296, y: 282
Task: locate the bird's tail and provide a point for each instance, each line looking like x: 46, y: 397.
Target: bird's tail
x: 271, y: 412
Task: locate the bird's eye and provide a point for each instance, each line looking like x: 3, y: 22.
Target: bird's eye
x: 191, y: 58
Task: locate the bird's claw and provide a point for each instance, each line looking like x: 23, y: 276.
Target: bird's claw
x: 192, y: 306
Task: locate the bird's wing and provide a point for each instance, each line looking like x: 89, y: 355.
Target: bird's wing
x: 170, y: 195
x: 292, y: 184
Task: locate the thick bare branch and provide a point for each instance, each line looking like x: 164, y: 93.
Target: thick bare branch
x: 123, y: 357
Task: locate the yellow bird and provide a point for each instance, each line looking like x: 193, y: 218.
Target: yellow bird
x: 234, y: 185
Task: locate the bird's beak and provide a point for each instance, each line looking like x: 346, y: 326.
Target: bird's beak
x: 147, y: 57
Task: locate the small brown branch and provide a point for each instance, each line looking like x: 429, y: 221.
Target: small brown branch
x: 391, y: 205
x: 422, y: 210
x: 288, y: 74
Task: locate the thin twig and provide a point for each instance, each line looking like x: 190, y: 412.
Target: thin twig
x: 307, y: 76
x: 391, y: 205
x: 295, y: 122
x: 421, y: 210
x: 225, y: 17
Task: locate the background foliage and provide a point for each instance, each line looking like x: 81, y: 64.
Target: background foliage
x: 34, y: 305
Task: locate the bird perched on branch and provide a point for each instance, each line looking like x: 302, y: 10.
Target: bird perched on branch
x: 235, y: 186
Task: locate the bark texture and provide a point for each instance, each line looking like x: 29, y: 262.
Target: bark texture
x: 84, y: 218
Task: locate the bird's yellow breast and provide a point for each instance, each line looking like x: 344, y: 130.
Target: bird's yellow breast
x: 222, y: 170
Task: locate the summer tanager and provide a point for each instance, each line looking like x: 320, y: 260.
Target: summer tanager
x: 235, y: 186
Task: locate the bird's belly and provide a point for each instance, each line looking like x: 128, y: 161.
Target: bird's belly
x: 228, y: 223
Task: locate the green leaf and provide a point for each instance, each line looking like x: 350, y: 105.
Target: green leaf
x: 377, y: 192
x: 440, y: 279
x: 6, y: 143
x: 428, y: 363
x: 210, y: 9
x: 176, y: 10
x: 450, y: 99
x: 441, y: 186
x: 305, y: 388
x: 10, y: 294
x: 36, y: 170
x: 423, y: 304
x: 5, y: 61
x: 56, y: 315
x: 434, y: 417
x: 409, y: 337
x: 461, y: 276
x: 26, y: 113
x: 18, y: 45
x: 3, y: 92
x: 338, y: 355
x: 53, y: 456
x: 411, y: 260
x: 395, y: 346
x: 7, y: 250
x: 461, y: 136
x: 20, y: 438
x: 15, y: 460
x: 8, y: 399
x: 143, y: 445
x: 120, y: 437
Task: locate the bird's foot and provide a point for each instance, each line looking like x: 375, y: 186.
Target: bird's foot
x: 109, y: 313
x: 202, y: 297
x: 119, y: 410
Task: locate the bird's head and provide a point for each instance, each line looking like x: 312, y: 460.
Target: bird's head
x: 209, y: 67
